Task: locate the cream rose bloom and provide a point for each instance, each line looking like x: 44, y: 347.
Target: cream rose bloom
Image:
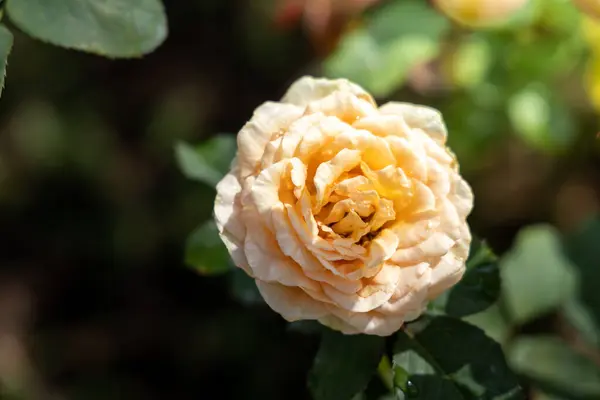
x: 344, y: 212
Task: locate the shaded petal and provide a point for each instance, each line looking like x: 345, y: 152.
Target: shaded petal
x: 328, y: 172
x: 228, y: 207
x: 267, y: 261
x: 445, y: 274
x: 461, y: 196
x: 371, y: 323
x: 410, y: 156
x: 390, y: 182
x: 382, y: 248
x: 290, y: 302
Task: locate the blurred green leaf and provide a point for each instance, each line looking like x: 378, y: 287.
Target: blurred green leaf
x: 112, y: 28
x: 6, y: 42
x: 469, y: 65
x: 582, y: 319
x: 540, y: 120
x: 446, y: 358
x: 209, y: 162
x: 583, y: 248
x: 205, y: 251
x: 344, y: 365
x: 478, y: 289
x: 550, y: 363
x: 536, y: 277
x: 492, y: 322
x: 243, y: 288
x: 397, y: 37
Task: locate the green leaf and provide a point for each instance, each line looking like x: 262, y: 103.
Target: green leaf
x: 492, y: 322
x: 112, y: 28
x: 582, y: 319
x: 344, y: 365
x: 550, y: 363
x: 536, y: 277
x: 478, y: 289
x: 307, y: 327
x: 446, y: 358
x: 6, y: 42
x: 397, y: 37
x: 540, y: 119
x: 205, y: 251
x: 243, y: 288
x: 471, y: 62
x: 209, y: 162
x: 583, y: 248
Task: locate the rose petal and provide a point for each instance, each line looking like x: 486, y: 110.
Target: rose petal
x: 291, y: 303
x: 422, y: 117
x: 308, y: 89
x: 268, y: 119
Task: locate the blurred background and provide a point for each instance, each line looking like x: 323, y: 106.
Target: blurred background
x: 96, y: 299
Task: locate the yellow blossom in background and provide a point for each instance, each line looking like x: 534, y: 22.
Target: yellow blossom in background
x: 345, y: 212
x: 477, y: 13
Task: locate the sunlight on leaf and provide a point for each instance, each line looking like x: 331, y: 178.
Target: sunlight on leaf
x: 451, y: 359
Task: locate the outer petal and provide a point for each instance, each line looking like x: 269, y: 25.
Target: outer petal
x: 269, y: 119
x: 308, y: 89
x: 426, y: 118
x: 445, y: 274
x: 228, y: 212
x: 371, y: 323
x: 292, y: 303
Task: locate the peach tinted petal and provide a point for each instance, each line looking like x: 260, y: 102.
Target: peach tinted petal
x: 268, y: 120
x: 422, y: 117
x: 308, y: 89
x: 291, y: 303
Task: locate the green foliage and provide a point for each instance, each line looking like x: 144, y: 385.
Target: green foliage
x: 396, y: 38
x: 6, y: 42
x: 555, y: 367
x: 209, y: 162
x: 205, y: 251
x: 344, y: 365
x: 447, y: 358
x: 243, y: 288
x: 478, y: 289
x: 112, y: 28
x: 583, y: 248
x: 537, y: 277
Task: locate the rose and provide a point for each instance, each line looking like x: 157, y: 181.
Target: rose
x: 479, y: 12
x: 591, y: 7
x: 343, y: 212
